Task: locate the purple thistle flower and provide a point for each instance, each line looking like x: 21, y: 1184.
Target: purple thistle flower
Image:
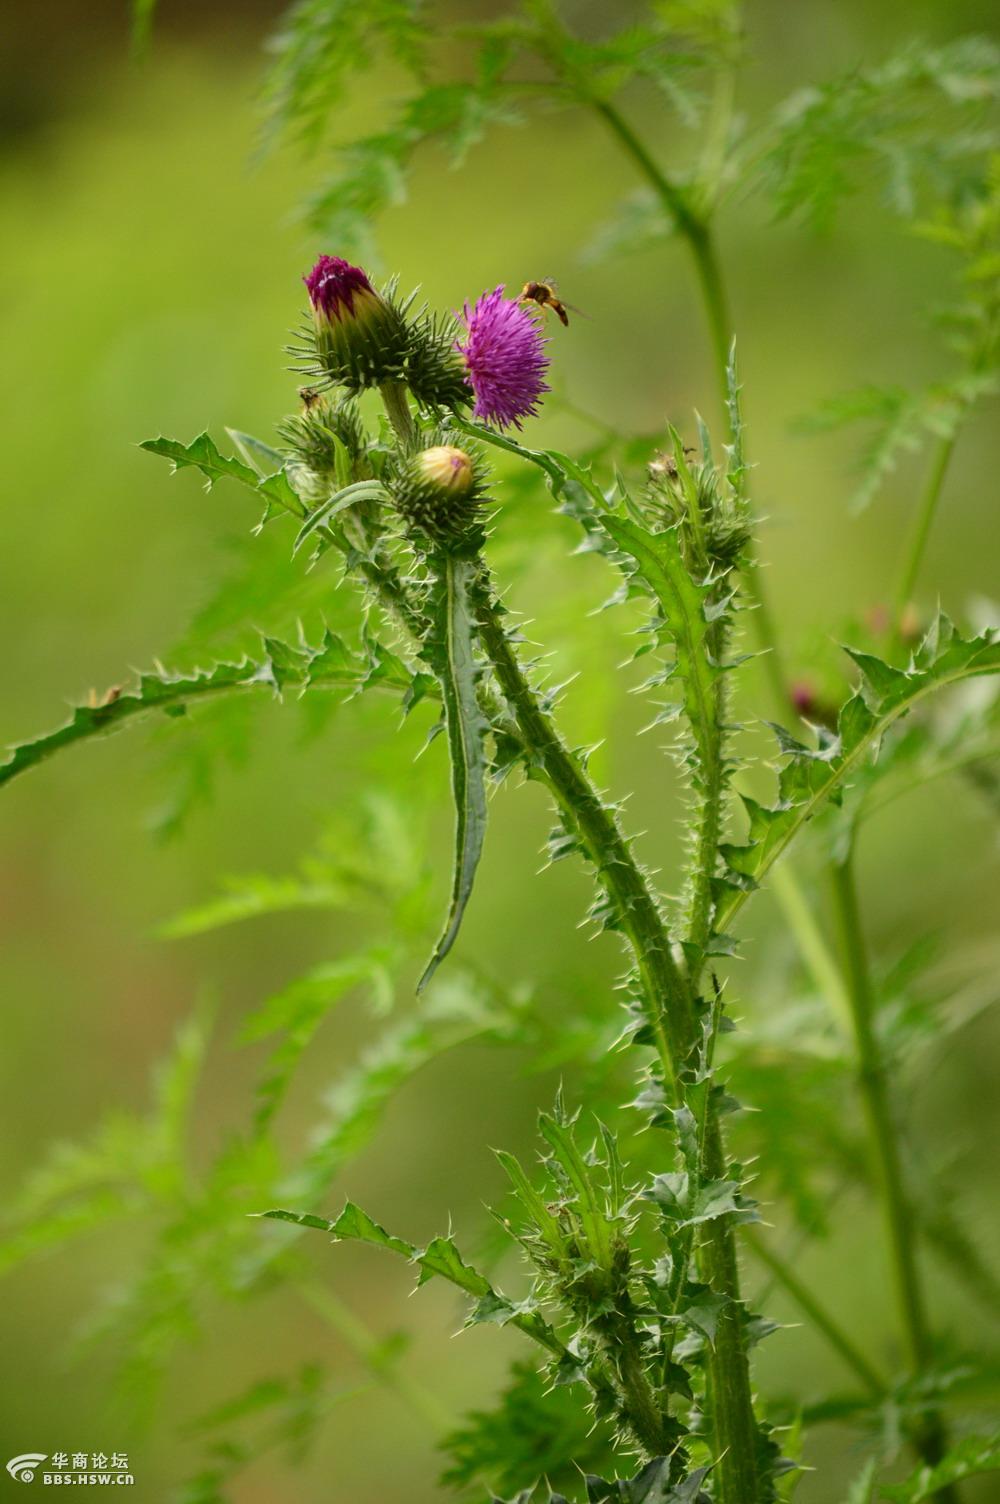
x: 505, y: 359
x: 333, y: 286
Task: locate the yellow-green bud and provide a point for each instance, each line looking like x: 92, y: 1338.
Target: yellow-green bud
x: 438, y: 494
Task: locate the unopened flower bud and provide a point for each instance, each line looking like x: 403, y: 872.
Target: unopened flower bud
x: 438, y: 495
x: 316, y: 439
x: 360, y: 338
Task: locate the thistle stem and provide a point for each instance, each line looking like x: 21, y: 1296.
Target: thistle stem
x: 397, y: 406
x: 672, y: 1019
x: 928, y: 1436
x: 730, y: 1396
x: 922, y: 522
x: 812, y: 945
x: 636, y: 910
x: 820, y: 1317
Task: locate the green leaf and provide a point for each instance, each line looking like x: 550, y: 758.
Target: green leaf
x: 571, y: 484
x: 682, y: 602
x: 202, y: 454
x: 693, y: 625
x: 686, y: 1202
x: 450, y: 649
x: 862, y: 1489
x: 263, y: 458
x: 361, y: 490
x: 812, y: 777
x: 440, y: 1258
x: 330, y: 665
x: 701, y: 1310
x: 918, y: 121
x: 968, y: 1459
x: 452, y: 1013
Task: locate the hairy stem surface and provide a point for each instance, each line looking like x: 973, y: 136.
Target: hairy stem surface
x: 672, y: 1018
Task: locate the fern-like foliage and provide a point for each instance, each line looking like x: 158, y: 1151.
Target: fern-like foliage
x: 916, y: 124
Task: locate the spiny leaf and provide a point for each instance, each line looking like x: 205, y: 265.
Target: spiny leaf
x: 331, y: 664
x: 682, y: 601
x: 686, y: 605
x: 571, y: 484
x: 968, y: 1459
x: 811, y: 777
x: 687, y: 1201
x: 440, y: 1258
x: 657, y: 1483
x: 451, y: 652
x: 202, y: 454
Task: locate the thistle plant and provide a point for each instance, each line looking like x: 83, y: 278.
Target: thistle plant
x: 649, y: 1198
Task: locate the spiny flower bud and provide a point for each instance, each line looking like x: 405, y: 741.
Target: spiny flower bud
x: 438, y: 495
x: 315, y: 438
x: 360, y: 339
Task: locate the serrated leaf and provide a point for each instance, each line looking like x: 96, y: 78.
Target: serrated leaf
x: 811, y: 778
x: 203, y: 454
x: 450, y: 650
x: 687, y: 1201
x: 702, y: 1311
x: 331, y: 664
x: 440, y: 1258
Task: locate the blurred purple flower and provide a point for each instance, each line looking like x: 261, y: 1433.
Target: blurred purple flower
x: 505, y: 359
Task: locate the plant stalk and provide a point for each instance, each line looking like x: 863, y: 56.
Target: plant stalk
x: 696, y: 231
x: 922, y: 523
x: 928, y: 1436
x: 672, y: 1018
x: 636, y: 911
x: 818, y: 1314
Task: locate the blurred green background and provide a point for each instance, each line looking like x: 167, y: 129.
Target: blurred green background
x: 150, y: 272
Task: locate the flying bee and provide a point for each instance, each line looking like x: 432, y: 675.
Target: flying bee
x: 545, y: 297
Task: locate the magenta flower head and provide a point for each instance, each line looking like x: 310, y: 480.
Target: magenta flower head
x: 505, y: 359
x: 360, y: 339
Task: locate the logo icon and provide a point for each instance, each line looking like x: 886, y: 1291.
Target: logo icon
x: 23, y: 1467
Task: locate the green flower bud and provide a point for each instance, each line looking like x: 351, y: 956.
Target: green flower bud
x: 316, y: 439
x: 438, y: 493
